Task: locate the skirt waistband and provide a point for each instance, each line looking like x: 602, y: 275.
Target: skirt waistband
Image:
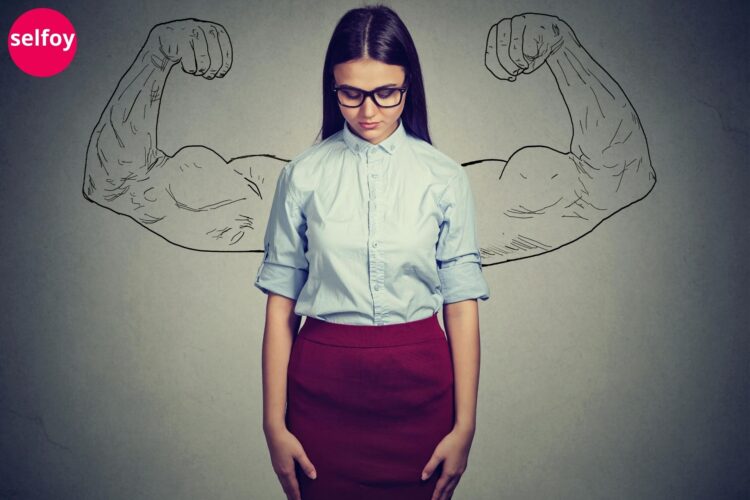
x: 337, y: 334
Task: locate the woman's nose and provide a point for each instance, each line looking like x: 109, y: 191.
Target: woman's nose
x: 369, y: 108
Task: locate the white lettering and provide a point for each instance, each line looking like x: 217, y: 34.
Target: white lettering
x: 39, y: 39
x: 68, y: 41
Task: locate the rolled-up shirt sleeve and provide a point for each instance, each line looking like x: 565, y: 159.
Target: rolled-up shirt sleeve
x: 458, y: 257
x: 284, y: 267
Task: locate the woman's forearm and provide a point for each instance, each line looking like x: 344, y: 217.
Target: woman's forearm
x: 278, y: 335
x: 461, y: 321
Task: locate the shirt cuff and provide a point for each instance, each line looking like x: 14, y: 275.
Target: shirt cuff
x: 281, y: 280
x: 463, y: 281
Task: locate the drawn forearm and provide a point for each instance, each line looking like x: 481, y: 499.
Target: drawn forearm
x: 123, y: 146
x: 608, y: 142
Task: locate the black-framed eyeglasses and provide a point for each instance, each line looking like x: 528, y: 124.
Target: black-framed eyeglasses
x: 383, y: 97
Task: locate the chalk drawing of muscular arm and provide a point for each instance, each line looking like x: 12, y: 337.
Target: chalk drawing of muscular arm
x: 542, y: 198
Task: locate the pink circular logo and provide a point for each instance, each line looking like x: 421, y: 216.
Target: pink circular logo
x: 42, y: 42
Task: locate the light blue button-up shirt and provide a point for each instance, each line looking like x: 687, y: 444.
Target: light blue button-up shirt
x: 367, y: 234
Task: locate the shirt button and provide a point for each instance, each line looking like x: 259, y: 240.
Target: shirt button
x: 377, y: 287
x: 375, y: 245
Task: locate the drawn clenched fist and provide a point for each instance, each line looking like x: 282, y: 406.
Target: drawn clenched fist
x: 520, y: 44
x: 203, y: 47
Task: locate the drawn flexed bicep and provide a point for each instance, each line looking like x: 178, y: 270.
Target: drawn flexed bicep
x: 542, y: 198
x: 195, y: 198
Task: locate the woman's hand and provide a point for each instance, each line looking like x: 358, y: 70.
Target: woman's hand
x: 285, y: 448
x: 453, y: 451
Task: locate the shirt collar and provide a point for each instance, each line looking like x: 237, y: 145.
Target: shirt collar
x: 358, y: 145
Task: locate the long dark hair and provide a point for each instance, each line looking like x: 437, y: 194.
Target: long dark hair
x: 378, y: 32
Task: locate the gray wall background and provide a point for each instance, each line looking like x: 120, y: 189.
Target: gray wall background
x: 615, y: 367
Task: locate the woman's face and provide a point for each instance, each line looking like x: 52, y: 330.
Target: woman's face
x: 369, y: 74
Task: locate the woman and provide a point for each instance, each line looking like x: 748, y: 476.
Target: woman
x: 371, y: 230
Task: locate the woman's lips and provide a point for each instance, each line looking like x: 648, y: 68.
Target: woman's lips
x: 368, y: 126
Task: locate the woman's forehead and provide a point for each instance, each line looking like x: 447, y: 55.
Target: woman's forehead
x: 366, y: 73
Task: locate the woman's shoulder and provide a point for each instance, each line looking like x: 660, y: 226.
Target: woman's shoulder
x: 312, y: 154
x: 305, y: 169
x: 439, y: 163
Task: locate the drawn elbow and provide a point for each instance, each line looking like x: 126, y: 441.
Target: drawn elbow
x: 636, y: 180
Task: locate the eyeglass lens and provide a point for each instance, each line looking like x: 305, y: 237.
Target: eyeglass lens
x: 383, y: 97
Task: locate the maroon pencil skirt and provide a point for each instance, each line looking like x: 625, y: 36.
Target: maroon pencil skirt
x: 369, y: 405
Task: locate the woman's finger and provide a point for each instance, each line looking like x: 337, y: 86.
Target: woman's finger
x: 450, y: 488
x: 306, y: 465
x: 440, y: 487
x: 432, y: 464
x: 290, y: 485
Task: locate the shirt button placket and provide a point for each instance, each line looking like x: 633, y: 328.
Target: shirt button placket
x: 376, y: 265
